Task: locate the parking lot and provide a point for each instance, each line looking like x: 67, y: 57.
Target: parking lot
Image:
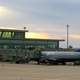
x: 38, y: 72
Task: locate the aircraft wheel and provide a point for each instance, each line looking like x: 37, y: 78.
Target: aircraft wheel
x: 63, y: 63
x: 77, y: 63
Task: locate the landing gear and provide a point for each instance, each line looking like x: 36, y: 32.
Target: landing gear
x: 63, y: 63
x: 76, y: 62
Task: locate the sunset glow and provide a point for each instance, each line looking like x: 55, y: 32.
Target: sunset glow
x: 44, y: 19
x: 75, y: 37
x: 36, y: 35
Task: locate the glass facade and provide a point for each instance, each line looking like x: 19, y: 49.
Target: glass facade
x: 26, y: 43
x: 16, y: 39
x: 11, y: 35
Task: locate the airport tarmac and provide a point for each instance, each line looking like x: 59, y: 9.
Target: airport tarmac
x: 38, y: 72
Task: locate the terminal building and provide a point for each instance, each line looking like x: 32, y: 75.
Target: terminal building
x: 15, y: 39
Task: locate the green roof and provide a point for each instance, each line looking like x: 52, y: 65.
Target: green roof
x: 45, y: 39
x: 14, y: 30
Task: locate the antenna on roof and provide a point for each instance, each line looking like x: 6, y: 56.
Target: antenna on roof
x: 24, y: 28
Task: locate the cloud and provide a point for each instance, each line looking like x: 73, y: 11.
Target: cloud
x: 47, y: 11
x: 7, y: 16
x: 4, y: 12
x: 12, y: 17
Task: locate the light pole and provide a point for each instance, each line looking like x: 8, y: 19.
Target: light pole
x: 67, y: 36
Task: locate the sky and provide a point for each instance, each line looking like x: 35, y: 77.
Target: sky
x: 48, y: 17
